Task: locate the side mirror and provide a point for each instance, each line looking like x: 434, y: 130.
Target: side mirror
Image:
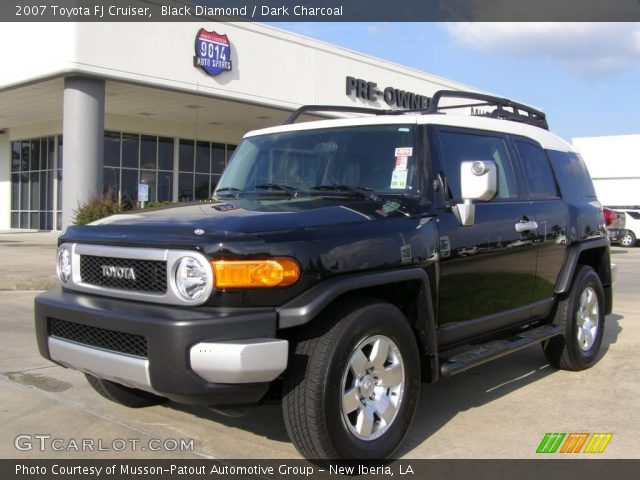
x: 478, y: 182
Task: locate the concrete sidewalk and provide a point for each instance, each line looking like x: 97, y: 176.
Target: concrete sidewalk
x: 27, y: 260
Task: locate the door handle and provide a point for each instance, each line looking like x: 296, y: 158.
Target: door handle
x: 525, y: 226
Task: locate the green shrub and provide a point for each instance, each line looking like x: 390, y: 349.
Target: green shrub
x: 163, y: 203
x: 95, y: 209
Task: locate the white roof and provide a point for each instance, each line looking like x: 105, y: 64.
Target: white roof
x: 545, y: 138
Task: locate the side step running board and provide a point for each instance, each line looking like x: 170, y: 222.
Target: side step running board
x: 476, y: 355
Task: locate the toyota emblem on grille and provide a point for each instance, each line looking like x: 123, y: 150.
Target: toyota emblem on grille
x: 111, y: 271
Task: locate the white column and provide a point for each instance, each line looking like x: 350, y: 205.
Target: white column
x: 5, y: 181
x: 83, y: 143
x: 176, y: 167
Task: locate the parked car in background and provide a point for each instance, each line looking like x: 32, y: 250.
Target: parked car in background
x: 625, y: 228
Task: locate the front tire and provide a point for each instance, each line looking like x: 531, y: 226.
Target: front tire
x: 628, y: 240
x: 129, y: 397
x: 354, y: 382
x: 582, y: 315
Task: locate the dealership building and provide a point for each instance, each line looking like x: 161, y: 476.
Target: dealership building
x: 153, y: 111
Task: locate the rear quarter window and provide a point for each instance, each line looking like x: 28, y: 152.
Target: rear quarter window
x: 572, y: 175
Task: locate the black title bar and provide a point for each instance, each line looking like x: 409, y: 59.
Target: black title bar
x: 537, y: 469
x: 319, y: 10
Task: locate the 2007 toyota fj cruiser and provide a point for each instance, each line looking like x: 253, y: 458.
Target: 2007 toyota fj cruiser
x: 349, y: 259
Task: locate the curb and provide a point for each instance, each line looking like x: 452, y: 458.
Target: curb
x: 16, y: 283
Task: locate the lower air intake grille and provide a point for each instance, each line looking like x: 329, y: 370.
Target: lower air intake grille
x: 111, y: 340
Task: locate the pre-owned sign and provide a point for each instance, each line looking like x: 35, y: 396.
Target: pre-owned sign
x: 393, y: 97
x: 213, y: 52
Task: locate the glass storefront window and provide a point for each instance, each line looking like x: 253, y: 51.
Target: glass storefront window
x: 111, y: 181
x: 165, y: 153
x: 35, y: 155
x: 186, y: 155
x: 25, y: 156
x: 15, y: 156
x: 15, y: 191
x: 148, y: 152
x: 217, y: 158
x: 129, y: 188
x: 130, y: 150
x: 112, y: 149
x: 32, y: 180
x: 202, y: 186
x: 129, y: 158
x: 165, y: 186
x: 51, y: 145
x: 149, y: 177
x: 185, y: 187
x: 203, y: 154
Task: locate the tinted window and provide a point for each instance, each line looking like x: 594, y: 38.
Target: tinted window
x: 464, y: 147
x: 635, y: 215
x: 572, y: 175
x: 537, y: 170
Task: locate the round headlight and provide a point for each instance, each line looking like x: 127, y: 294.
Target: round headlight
x: 191, y: 278
x: 63, y: 266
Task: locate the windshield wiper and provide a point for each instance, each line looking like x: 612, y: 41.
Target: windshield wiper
x: 277, y: 186
x: 233, y: 191
x: 360, y: 191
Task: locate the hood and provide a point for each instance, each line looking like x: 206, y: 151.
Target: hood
x: 233, y: 218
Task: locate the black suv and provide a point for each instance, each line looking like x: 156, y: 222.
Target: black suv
x: 341, y: 263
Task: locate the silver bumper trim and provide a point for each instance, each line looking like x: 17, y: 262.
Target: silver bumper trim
x: 240, y: 361
x: 130, y: 371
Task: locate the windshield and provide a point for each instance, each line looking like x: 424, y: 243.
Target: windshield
x: 347, y: 161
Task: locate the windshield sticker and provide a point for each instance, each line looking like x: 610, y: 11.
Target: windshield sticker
x: 405, y: 253
x: 399, y: 179
x: 387, y: 208
x: 404, y: 151
x: 445, y: 247
x: 225, y: 207
x: 401, y: 163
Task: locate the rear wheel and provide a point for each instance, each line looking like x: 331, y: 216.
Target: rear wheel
x: 354, y: 383
x: 628, y: 240
x: 129, y: 397
x: 582, y: 315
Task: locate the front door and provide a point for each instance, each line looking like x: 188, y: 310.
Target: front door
x: 487, y: 270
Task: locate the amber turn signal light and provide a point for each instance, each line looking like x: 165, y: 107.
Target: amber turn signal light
x: 274, y: 272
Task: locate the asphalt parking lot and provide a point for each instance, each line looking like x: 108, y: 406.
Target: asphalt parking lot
x: 499, y: 410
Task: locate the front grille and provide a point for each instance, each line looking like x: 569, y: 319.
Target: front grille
x: 111, y: 340
x: 150, y: 275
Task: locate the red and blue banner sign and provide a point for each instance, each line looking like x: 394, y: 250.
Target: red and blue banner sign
x: 213, y: 52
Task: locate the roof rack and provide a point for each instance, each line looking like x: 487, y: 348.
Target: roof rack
x: 519, y: 112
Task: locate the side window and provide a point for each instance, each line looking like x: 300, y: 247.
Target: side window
x: 537, y: 170
x: 572, y: 175
x: 461, y: 147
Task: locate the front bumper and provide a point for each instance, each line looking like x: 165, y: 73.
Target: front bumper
x: 198, y: 355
